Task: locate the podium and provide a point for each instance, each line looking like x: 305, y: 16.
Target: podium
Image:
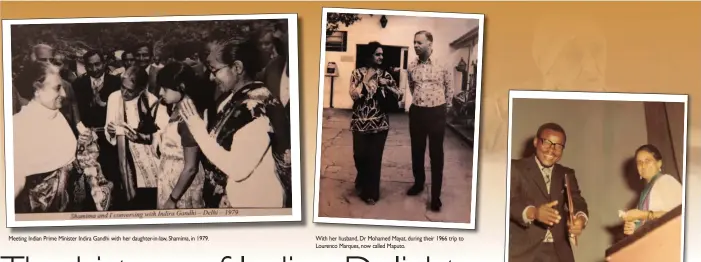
x: 658, y: 240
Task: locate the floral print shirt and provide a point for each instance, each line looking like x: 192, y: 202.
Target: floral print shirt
x: 431, y: 83
x: 369, y: 116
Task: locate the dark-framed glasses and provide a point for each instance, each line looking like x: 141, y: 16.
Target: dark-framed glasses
x: 550, y: 144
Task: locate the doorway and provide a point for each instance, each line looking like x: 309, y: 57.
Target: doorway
x: 395, y: 57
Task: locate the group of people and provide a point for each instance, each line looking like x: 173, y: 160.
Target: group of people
x: 208, y: 128
x: 431, y: 87
x: 537, y: 232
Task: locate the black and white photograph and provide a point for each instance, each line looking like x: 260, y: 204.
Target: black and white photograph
x: 398, y: 119
x: 596, y: 176
x: 151, y: 120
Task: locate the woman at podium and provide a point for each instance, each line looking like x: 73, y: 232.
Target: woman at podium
x: 662, y: 192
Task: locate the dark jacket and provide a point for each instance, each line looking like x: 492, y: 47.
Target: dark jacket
x: 528, y: 189
x: 93, y: 114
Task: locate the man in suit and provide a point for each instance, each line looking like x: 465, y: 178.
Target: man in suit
x: 537, y: 231
x: 92, y: 91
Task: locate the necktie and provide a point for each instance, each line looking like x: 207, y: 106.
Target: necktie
x: 97, y: 84
x: 547, y: 173
x: 96, y: 87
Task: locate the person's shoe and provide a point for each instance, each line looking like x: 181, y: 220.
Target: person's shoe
x: 416, y: 189
x: 369, y: 200
x: 436, y: 205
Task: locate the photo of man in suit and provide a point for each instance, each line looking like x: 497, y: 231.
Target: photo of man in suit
x: 539, y: 229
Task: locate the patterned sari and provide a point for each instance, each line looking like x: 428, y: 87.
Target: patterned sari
x: 246, y: 105
x: 644, y: 201
x: 77, y: 185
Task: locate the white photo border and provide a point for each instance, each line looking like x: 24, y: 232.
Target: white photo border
x: 293, y: 64
x: 596, y: 96
x: 475, y: 158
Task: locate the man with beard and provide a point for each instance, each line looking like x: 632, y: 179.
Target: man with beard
x: 92, y: 91
x: 536, y: 230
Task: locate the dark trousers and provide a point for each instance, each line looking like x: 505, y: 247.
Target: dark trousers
x: 367, y: 153
x: 427, y: 122
x: 546, y: 253
x: 144, y: 199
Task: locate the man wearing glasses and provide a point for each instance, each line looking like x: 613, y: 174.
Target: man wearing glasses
x: 539, y: 229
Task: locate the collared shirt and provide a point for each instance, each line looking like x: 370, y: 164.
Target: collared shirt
x: 545, y: 171
x: 97, y: 83
x: 430, y: 82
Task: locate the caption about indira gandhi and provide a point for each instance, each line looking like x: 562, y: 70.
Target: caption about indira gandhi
x: 378, y: 242
x: 155, y: 213
x: 108, y: 238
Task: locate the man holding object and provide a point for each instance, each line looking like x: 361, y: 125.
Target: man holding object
x: 539, y: 228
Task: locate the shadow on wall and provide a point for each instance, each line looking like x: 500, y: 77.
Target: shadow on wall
x: 529, y: 149
x: 628, y: 170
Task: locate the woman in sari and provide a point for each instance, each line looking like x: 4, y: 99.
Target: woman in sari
x: 53, y: 172
x: 179, y: 182
x: 243, y: 161
x: 134, y: 119
x: 661, y: 194
x: 370, y: 85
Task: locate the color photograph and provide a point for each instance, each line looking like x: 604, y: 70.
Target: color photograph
x: 596, y: 177
x: 151, y: 120
x: 399, y: 107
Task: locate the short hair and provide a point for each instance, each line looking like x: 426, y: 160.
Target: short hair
x: 277, y: 43
x: 177, y: 76
x: 92, y: 53
x: 427, y: 34
x: 32, y: 76
x: 37, y: 47
x: 551, y: 126
x: 246, y: 52
x: 110, y: 56
x: 143, y: 44
x: 125, y: 53
x: 139, y: 74
x: 182, y: 52
x: 650, y: 149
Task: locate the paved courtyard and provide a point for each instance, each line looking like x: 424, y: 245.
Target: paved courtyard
x: 337, y: 198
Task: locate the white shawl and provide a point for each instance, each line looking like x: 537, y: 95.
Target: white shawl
x: 43, y: 140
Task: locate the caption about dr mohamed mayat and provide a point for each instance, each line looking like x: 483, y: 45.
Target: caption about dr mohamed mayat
x: 378, y: 242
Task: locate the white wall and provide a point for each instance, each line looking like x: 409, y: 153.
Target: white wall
x: 601, y: 137
x: 398, y: 32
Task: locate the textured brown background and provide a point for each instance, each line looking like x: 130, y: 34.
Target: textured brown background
x: 649, y: 47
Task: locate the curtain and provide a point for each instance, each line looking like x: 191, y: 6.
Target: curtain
x: 665, y: 130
